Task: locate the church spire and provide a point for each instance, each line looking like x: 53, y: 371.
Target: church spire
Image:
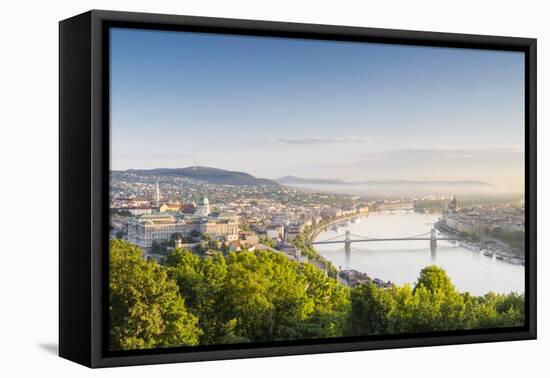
x: 157, y: 193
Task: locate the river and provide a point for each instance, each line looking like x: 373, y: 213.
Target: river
x: 401, y: 261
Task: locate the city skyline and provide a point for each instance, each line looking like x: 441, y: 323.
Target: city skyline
x: 273, y: 107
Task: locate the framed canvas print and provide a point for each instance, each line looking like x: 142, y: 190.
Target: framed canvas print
x: 234, y: 188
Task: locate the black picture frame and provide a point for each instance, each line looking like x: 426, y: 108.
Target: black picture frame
x: 84, y: 185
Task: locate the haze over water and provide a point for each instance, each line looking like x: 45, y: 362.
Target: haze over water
x: 401, y: 261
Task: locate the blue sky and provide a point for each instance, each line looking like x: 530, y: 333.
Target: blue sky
x: 354, y: 111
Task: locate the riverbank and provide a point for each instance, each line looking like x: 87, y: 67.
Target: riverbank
x: 349, y: 277
x: 489, y: 247
x: 305, y: 240
x: 317, y: 230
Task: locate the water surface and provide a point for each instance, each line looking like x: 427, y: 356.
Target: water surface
x: 401, y: 261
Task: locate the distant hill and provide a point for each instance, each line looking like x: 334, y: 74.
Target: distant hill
x: 299, y: 180
x: 427, y: 182
x: 210, y: 175
x: 293, y: 180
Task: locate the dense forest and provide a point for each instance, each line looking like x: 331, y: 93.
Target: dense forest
x: 263, y: 296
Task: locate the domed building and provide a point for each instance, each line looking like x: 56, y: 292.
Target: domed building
x: 203, y: 208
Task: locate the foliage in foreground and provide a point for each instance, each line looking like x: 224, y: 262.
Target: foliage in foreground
x: 146, y: 309
x: 432, y: 305
x: 314, y: 257
x: 263, y: 296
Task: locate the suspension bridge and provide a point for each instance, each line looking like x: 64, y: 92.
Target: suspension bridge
x: 347, y: 238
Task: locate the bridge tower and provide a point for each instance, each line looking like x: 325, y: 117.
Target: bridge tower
x: 433, y: 238
x: 347, y: 241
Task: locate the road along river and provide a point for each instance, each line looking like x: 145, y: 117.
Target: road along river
x: 401, y: 261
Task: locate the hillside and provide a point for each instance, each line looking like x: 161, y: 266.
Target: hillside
x: 210, y: 175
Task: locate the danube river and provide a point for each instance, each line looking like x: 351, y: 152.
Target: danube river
x: 401, y: 261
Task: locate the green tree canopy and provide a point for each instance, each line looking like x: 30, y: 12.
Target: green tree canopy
x: 434, y: 279
x: 263, y: 296
x: 145, y: 307
x: 258, y: 296
x: 433, y: 305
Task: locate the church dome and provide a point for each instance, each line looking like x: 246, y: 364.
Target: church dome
x: 203, y: 201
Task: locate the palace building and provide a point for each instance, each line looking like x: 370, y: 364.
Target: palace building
x: 144, y: 230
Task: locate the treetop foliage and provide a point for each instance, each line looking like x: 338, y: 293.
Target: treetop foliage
x: 145, y: 307
x: 263, y: 296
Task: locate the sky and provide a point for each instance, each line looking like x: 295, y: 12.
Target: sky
x: 273, y: 107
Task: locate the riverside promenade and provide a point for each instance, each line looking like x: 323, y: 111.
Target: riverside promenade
x: 317, y: 230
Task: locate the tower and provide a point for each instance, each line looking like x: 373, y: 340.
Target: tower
x: 433, y: 244
x: 453, y: 205
x: 177, y: 242
x: 433, y: 238
x: 347, y: 241
x: 157, y: 194
x: 347, y: 250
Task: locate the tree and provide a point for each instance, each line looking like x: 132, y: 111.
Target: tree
x: 266, y: 296
x: 258, y: 296
x: 146, y: 309
x: 225, y: 248
x: 155, y: 247
x: 433, y: 305
x: 174, y: 237
x: 184, y: 267
x: 371, y: 309
x: 200, y: 249
x: 331, y: 302
x: 434, y: 278
x: 263, y: 296
x: 268, y: 242
x: 213, y: 244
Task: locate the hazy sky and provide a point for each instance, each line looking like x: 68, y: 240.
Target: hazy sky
x: 274, y: 107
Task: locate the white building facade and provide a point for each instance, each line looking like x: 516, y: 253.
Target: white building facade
x: 143, y: 231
